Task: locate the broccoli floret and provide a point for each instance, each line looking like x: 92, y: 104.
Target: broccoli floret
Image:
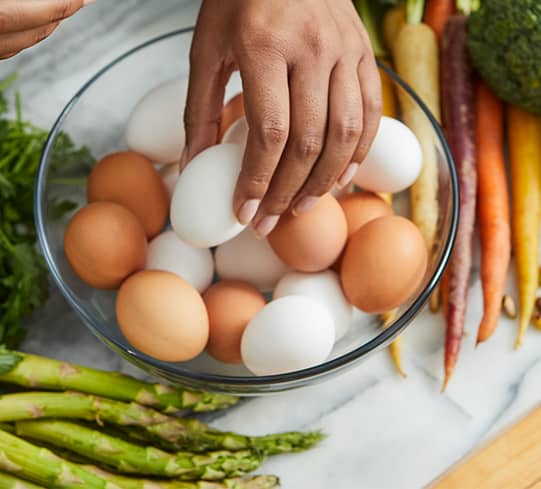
x: 505, y: 48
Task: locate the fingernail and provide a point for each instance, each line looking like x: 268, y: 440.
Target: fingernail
x: 248, y: 210
x: 183, y: 158
x: 348, y: 175
x: 304, y: 205
x: 265, y: 226
x: 87, y: 2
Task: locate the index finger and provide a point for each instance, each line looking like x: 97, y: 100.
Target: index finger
x: 266, y: 102
x: 18, y: 16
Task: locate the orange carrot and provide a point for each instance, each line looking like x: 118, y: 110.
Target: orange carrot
x: 437, y: 13
x: 492, y: 206
x: 444, y: 292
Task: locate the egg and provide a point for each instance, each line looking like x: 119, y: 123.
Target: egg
x: 313, y: 240
x: 202, y: 205
x: 249, y: 259
x: 383, y: 265
x: 362, y: 207
x: 169, y: 253
x: 290, y: 333
x: 130, y: 179
x: 230, y: 305
x: 325, y: 288
x: 237, y: 132
x: 155, y: 127
x: 170, y: 174
x: 394, y: 160
x: 105, y: 243
x: 162, y: 315
x: 232, y: 111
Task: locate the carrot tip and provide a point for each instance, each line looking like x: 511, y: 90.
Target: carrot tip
x: 445, y: 382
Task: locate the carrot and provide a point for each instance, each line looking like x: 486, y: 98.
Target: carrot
x: 493, y: 206
x: 444, y: 292
x: 395, y: 348
x: 458, y: 116
x: 393, y: 21
x: 524, y: 134
x: 416, y: 61
x: 437, y: 12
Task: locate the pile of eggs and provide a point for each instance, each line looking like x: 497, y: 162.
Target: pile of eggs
x: 191, y: 278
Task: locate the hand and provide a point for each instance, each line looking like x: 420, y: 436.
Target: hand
x: 312, y: 97
x: 24, y: 23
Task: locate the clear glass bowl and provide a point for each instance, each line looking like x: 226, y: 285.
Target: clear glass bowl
x: 96, y: 117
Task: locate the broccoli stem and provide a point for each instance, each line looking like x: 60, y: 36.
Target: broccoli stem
x: 415, y: 10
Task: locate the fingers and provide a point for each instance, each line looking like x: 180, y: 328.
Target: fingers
x: 370, y: 84
x: 17, y: 15
x: 206, y: 88
x: 344, y: 128
x: 309, y: 87
x: 12, y: 43
x: 266, y: 102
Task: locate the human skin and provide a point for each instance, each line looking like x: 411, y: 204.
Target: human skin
x: 312, y: 98
x: 24, y: 23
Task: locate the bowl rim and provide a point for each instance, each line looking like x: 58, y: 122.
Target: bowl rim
x: 175, y: 371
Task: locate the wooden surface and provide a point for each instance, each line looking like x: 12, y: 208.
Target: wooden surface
x: 511, y: 461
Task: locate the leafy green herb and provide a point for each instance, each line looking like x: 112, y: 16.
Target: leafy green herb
x: 23, y: 276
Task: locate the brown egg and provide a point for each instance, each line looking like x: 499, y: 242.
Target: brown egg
x: 131, y: 180
x: 232, y: 111
x: 312, y: 241
x: 362, y: 207
x: 231, y: 304
x: 105, y: 243
x: 384, y: 263
x: 162, y: 315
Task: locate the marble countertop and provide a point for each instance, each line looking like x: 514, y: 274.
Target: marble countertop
x: 384, y: 432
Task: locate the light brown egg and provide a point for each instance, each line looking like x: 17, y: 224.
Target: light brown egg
x: 105, y: 243
x: 131, y: 180
x: 232, y: 111
x: 231, y: 304
x: 162, y: 315
x: 362, y: 207
x: 384, y: 263
x: 311, y: 241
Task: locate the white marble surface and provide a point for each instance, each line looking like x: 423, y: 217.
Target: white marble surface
x: 384, y: 432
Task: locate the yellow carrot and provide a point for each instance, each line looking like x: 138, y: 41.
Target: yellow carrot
x: 393, y: 22
x: 416, y: 60
x: 524, y: 135
x: 389, y: 109
x: 395, y: 348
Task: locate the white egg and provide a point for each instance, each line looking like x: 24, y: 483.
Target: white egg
x: 394, y: 161
x: 237, y: 132
x: 249, y: 259
x: 155, y: 128
x: 169, y: 253
x: 290, y: 333
x: 323, y: 287
x: 170, y: 174
x: 202, y: 205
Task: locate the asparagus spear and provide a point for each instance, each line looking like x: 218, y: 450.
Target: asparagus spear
x: 43, y: 467
x: 130, y: 458
x: 255, y: 482
x: 41, y: 372
x: 168, y: 432
x: 10, y: 482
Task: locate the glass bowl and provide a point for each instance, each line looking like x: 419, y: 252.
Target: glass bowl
x: 96, y: 117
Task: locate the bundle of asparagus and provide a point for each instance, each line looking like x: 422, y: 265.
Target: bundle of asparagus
x: 123, y: 430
